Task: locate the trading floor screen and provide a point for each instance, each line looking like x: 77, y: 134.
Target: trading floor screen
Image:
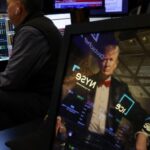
x: 6, y: 37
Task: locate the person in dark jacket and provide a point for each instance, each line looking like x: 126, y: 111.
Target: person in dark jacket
x: 105, y: 107
x: 27, y: 81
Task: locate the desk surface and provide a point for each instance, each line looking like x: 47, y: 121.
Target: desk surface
x: 16, y: 132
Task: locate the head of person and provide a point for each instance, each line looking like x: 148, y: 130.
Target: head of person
x: 110, y: 60
x: 19, y: 9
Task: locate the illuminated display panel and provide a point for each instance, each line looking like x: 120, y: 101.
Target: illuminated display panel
x: 91, y: 19
x: 67, y: 4
x: 112, y: 7
x: 78, y: 79
x: 6, y: 37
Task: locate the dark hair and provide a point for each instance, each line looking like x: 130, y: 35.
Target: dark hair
x: 33, y: 5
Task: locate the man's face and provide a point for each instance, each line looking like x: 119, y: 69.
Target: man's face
x: 109, y: 63
x: 13, y: 9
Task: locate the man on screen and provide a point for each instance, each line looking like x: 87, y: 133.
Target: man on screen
x: 114, y: 111
x: 112, y: 90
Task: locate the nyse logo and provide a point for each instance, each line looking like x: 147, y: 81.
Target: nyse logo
x: 85, y: 80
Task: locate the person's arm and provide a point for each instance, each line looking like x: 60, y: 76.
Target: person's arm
x: 27, y: 51
x: 141, y: 141
x: 142, y: 137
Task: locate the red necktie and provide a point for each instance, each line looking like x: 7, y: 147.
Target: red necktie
x: 106, y: 83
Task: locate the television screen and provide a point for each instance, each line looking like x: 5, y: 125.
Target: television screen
x: 78, y: 4
x: 102, y: 87
x: 60, y: 20
x: 112, y: 7
x: 6, y: 37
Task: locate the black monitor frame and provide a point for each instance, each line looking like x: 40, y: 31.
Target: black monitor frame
x: 118, y: 24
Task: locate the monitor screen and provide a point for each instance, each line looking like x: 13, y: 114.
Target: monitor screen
x: 91, y: 19
x: 102, y: 86
x: 78, y: 4
x: 6, y: 37
x: 60, y: 20
x: 112, y: 7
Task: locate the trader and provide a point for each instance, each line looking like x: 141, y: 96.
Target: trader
x: 27, y: 81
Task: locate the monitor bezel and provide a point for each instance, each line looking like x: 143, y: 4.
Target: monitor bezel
x: 118, y: 24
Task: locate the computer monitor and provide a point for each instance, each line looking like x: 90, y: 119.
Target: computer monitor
x: 60, y: 20
x: 82, y: 67
x: 77, y: 4
x: 6, y: 37
x: 112, y: 8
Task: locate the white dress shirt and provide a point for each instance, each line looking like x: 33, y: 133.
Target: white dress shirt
x: 99, y: 113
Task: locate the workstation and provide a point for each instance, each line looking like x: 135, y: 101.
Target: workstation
x: 92, y: 32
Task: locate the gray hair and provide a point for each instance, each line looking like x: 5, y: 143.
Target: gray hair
x: 112, y: 47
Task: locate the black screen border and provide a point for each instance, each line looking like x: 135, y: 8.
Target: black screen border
x: 118, y: 24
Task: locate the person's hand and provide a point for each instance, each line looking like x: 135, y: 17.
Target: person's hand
x: 61, y: 134
x: 60, y: 126
x: 141, y: 141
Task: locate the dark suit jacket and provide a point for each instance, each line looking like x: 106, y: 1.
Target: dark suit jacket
x: 81, y: 99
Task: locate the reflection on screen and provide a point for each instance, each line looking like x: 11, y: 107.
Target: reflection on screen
x: 105, y: 115
x: 6, y: 37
